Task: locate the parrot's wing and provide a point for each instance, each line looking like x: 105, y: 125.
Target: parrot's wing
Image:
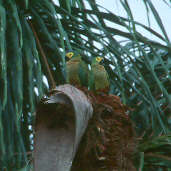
x: 83, y: 73
x: 72, y: 72
x: 91, y: 80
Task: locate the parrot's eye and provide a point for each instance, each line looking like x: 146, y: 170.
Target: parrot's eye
x: 98, y: 59
x: 70, y: 55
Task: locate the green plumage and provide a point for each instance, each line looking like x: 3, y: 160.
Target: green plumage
x: 77, y: 70
x: 98, y: 77
x: 78, y: 74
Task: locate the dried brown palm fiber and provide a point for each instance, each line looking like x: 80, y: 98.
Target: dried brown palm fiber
x: 109, y: 141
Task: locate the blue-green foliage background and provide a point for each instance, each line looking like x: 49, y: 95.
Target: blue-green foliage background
x: 140, y: 72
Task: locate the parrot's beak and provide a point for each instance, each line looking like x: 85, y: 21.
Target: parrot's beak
x: 101, y: 62
x: 66, y: 58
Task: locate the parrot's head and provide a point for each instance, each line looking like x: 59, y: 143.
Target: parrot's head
x: 97, y: 60
x: 71, y: 55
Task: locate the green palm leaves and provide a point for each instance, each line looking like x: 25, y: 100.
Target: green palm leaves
x: 140, y: 72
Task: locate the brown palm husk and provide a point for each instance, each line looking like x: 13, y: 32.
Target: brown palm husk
x: 109, y: 142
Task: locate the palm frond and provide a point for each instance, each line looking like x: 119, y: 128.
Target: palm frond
x: 139, y: 68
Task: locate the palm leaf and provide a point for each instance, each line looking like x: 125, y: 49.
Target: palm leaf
x: 139, y: 68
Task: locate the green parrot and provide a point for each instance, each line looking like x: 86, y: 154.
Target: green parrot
x: 98, y: 76
x: 77, y: 70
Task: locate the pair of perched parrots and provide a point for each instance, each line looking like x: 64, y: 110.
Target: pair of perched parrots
x: 78, y: 73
